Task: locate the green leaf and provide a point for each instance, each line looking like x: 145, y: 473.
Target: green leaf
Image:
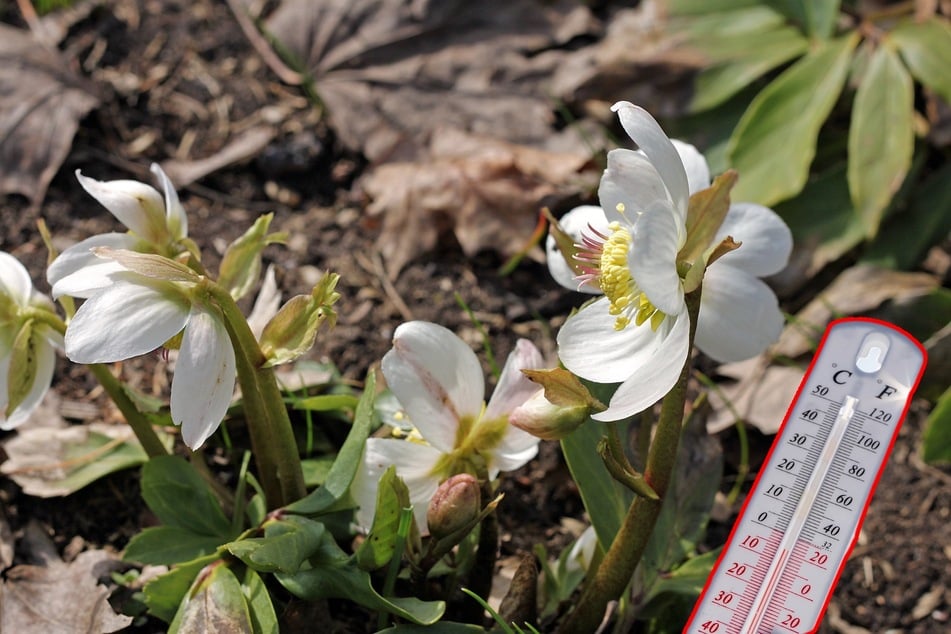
x: 881, y: 136
x: 822, y: 219
x: 286, y: 544
x: 775, y: 141
x: 908, y: 235
x: 348, y: 459
x: 936, y: 443
x: 260, y: 607
x: 316, y: 470
x: 673, y: 594
x: 164, y: 594
x: 22, y: 365
x: 169, y: 545
x: 392, y: 497
x: 332, y: 574
x: 697, y: 7
x: 926, y: 49
x: 179, y: 497
x: 216, y: 605
x: 816, y: 17
x: 326, y: 402
x: 735, y: 72
x: 725, y: 25
x: 604, y: 498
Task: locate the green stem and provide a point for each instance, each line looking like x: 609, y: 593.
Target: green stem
x: 141, y: 426
x: 619, y: 563
x: 272, y: 437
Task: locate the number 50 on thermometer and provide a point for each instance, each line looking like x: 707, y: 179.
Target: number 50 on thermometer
x: 802, y: 517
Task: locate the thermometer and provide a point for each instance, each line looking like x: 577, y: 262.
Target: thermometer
x: 802, y: 517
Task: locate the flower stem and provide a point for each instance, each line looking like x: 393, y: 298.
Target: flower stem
x: 272, y: 437
x: 619, y: 563
x: 137, y: 421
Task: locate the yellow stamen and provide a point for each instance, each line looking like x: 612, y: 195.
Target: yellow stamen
x: 618, y: 284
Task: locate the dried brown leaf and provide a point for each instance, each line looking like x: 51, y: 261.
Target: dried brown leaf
x: 60, y: 598
x: 391, y: 71
x: 759, y: 397
x: 487, y: 192
x: 41, y: 103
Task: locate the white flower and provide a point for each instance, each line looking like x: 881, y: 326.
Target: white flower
x: 438, y: 380
x: 637, y: 334
x: 136, y: 314
x: 18, y: 297
x: 155, y: 226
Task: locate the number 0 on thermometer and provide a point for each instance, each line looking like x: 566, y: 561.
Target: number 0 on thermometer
x: 802, y: 518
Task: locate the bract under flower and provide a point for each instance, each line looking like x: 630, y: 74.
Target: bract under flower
x: 439, y: 382
x: 637, y: 335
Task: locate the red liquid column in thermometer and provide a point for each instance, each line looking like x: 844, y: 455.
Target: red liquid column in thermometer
x: 801, y: 519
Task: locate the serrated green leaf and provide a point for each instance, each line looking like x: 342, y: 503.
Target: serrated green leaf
x: 164, y: 594
x: 260, y: 607
x: 286, y: 544
x: 169, y: 545
x: 816, y: 17
x: 348, y: 459
x: 881, y: 136
x: 216, y: 605
x: 179, y: 497
x: 718, y: 83
x: 332, y: 574
x: 907, y: 235
x: 936, y: 443
x: 775, y: 141
x: 392, y: 497
x: 926, y: 49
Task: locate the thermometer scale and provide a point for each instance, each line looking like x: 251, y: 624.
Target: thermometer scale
x: 802, y: 517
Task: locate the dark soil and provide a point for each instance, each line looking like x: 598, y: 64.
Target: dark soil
x: 212, y: 84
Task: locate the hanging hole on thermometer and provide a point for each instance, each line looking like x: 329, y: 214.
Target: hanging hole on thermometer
x: 871, y: 354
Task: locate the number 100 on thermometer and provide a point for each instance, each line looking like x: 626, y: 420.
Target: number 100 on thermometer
x: 802, y: 517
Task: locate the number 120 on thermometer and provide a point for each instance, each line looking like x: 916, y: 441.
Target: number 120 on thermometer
x: 802, y: 517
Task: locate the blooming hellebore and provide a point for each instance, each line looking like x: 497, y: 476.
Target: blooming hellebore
x: 156, y: 225
x: 27, y: 344
x: 149, y: 300
x: 632, y: 250
x: 438, y: 380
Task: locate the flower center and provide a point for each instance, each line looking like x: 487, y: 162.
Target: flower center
x: 628, y: 302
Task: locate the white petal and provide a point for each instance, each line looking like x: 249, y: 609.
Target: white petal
x: 698, y: 172
x: 78, y: 272
x: 267, y: 303
x: 514, y: 388
x: 739, y: 314
x: 45, y: 363
x: 629, y: 185
x: 125, y: 320
x: 767, y: 241
x: 414, y: 463
x: 436, y: 377
x: 136, y: 205
x: 15, y: 281
x: 650, y: 138
x: 517, y: 448
x: 204, y: 378
x: 574, y: 223
x: 653, y: 258
x: 652, y: 379
x: 590, y: 347
x: 175, y: 217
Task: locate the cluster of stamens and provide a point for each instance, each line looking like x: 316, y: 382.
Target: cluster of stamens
x: 603, y: 261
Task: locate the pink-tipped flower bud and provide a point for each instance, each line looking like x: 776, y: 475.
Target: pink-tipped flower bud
x: 456, y: 504
x: 543, y: 419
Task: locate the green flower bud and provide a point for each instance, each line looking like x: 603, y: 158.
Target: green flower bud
x: 455, y: 505
x: 292, y: 331
x: 541, y: 418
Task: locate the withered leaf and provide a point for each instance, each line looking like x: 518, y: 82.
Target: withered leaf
x: 41, y: 103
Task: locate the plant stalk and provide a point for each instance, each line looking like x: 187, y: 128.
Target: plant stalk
x: 619, y: 563
x: 272, y: 437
